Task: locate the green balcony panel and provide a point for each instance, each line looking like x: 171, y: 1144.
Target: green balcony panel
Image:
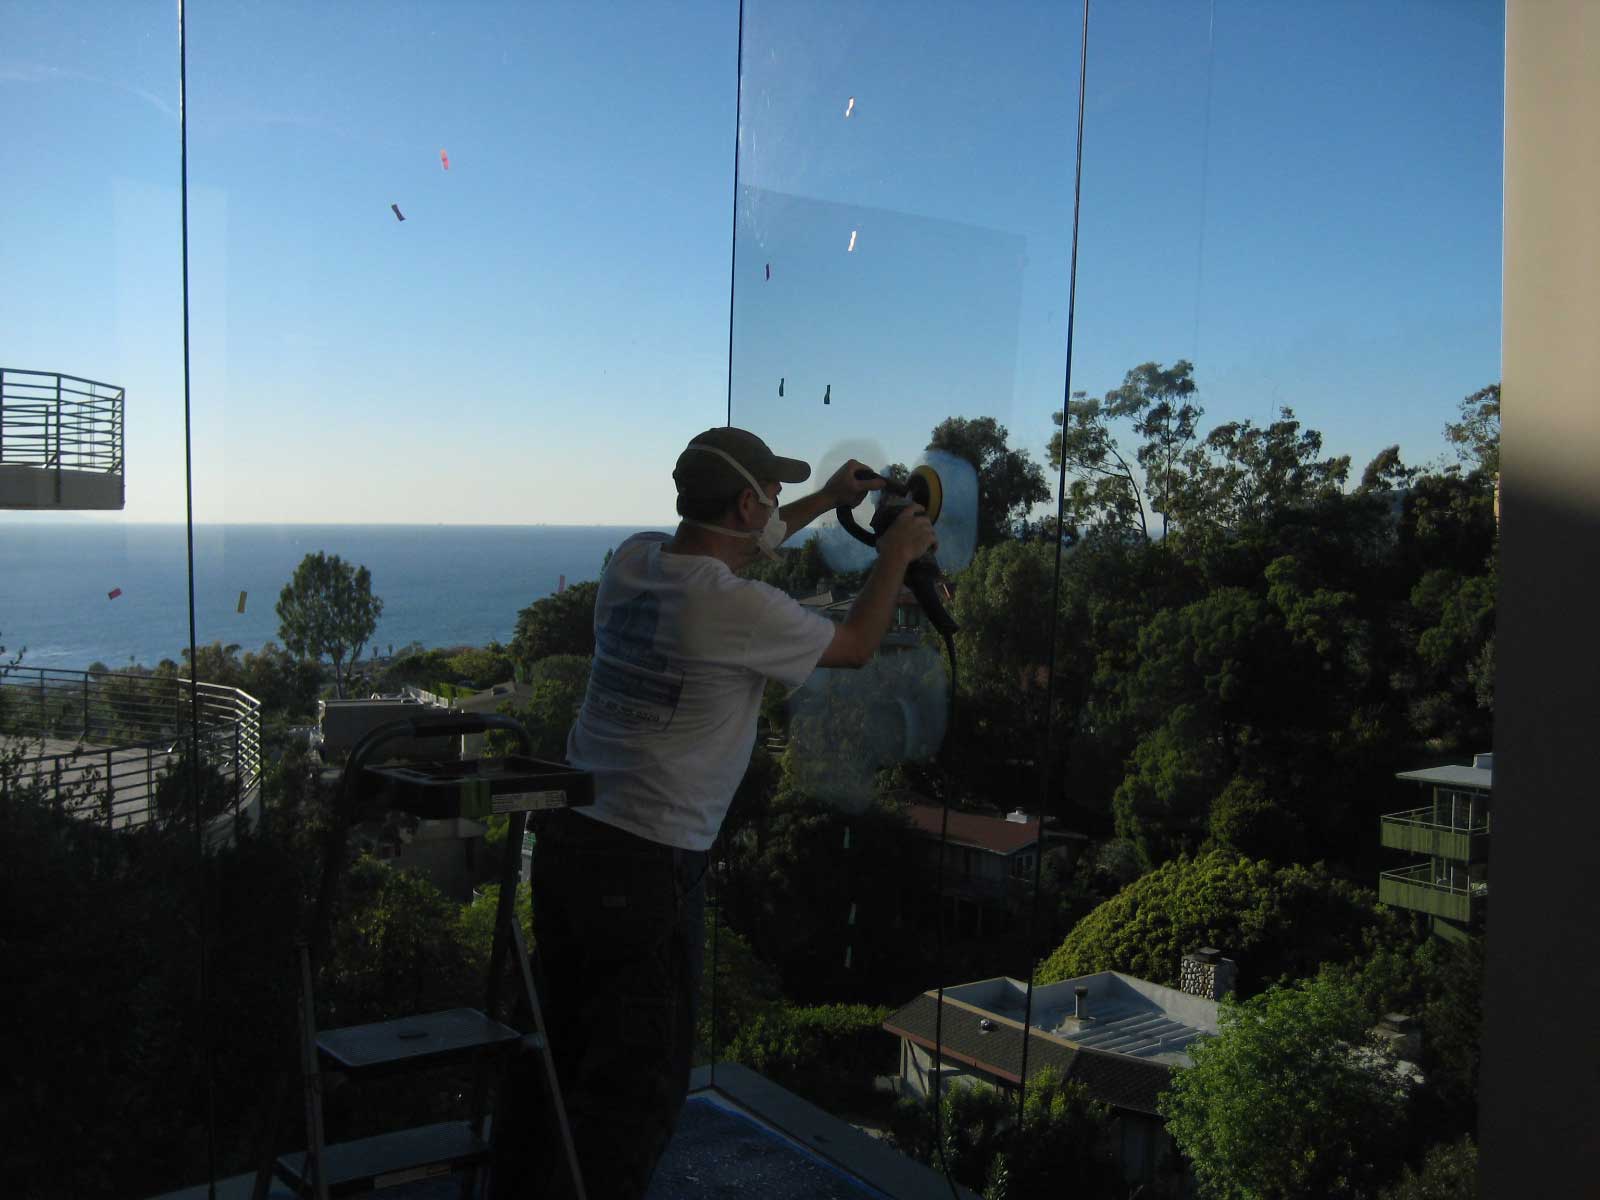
x: 1415, y: 837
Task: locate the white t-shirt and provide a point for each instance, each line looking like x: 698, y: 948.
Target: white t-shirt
x: 683, y: 650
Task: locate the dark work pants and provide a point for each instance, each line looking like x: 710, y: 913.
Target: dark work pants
x: 619, y: 930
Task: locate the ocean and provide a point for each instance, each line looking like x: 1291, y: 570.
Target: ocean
x: 441, y: 585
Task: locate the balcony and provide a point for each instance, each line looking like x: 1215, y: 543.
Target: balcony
x: 61, y: 441
x: 101, y: 743
x: 1419, y: 831
x: 1420, y: 889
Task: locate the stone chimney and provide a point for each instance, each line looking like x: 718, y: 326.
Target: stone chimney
x: 1205, y: 973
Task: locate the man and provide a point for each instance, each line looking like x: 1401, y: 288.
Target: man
x: 683, y: 651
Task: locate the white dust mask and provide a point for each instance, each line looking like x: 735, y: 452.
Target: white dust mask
x: 770, y: 536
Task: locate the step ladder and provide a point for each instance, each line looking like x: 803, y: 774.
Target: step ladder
x: 516, y: 786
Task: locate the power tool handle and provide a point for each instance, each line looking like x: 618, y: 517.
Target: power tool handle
x: 847, y: 519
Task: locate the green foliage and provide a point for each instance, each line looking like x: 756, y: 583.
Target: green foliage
x: 395, y: 948
x: 102, y: 1094
x: 1249, y: 819
x: 475, y: 925
x: 1063, y: 1146
x: 482, y: 667
x: 1103, y: 489
x: 559, y: 624
x: 328, y: 608
x: 1449, y: 1172
x: 779, y: 866
x: 1476, y: 436
x: 558, y: 683
x: 1242, y: 473
x: 175, y: 790
x: 1273, y: 921
x: 1290, y: 1099
x: 1441, y: 983
x: 741, y: 990
x: 801, y: 571
x: 827, y: 1053
x: 1010, y: 483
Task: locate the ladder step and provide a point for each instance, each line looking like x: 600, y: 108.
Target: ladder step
x: 427, y: 1039
x: 391, y: 1159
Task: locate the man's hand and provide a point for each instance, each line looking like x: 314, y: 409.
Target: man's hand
x: 910, y: 537
x: 844, y: 489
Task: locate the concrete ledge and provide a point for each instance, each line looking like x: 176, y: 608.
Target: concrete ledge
x: 35, y: 488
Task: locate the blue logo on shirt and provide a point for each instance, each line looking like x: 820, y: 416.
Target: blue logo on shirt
x: 629, y: 634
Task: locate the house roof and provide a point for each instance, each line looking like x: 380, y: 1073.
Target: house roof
x: 995, y: 834
x: 1480, y: 779
x: 1115, y: 1079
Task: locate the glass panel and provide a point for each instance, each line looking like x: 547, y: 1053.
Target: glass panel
x: 97, y: 841
x: 1280, y: 465
x: 460, y: 295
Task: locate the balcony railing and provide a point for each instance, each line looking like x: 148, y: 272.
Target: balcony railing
x: 102, y: 742
x: 1422, y: 889
x: 1419, y: 831
x: 67, y: 427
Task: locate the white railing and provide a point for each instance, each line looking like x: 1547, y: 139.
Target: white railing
x: 61, y: 422
x: 101, y: 743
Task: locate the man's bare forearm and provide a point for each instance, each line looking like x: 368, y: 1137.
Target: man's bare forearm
x: 873, y: 611
x: 799, y: 513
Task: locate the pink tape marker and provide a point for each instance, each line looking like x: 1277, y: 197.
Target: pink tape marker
x: 445, y: 159
x: 113, y: 593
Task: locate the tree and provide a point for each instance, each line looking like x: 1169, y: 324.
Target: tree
x: 1010, y: 483
x: 1159, y: 400
x: 828, y: 1053
x: 1291, y: 1098
x: 1449, y: 1172
x: 1105, y: 489
x: 559, y: 624
x: 1387, y: 473
x: 1273, y: 921
x: 328, y: 609
x: 559, y: 682
x: 745, y: 988
x: 1063, y: 1147
x: 1242, y: 473
x: 1476, y: 436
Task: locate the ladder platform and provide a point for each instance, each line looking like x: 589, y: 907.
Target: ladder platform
x: 390, y: 1159
x: 425, y: 1040
x: 476, y: 788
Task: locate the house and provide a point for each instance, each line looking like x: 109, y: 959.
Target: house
x: 988, y: 860
x: 1452, y: 830
x: 1121, y: 1037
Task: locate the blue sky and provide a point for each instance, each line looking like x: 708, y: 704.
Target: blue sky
x: 1302, y: 199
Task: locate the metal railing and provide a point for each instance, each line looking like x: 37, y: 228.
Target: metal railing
x: 102, y: 743
x: 1423, y: 875
x: 1427, y: 818
x: 58, y: 421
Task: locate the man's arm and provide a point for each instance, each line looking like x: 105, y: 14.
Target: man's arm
x: 842, y: 488
x: 856, y: 641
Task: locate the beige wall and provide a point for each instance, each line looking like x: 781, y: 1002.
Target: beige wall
x: 1541, y: 1086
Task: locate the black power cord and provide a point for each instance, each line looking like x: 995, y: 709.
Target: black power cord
x: 939, y: 964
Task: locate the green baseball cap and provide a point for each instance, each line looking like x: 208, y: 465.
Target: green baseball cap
x: 703, y: 473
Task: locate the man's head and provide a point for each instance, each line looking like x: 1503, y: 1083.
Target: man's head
x: 711, y: 484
